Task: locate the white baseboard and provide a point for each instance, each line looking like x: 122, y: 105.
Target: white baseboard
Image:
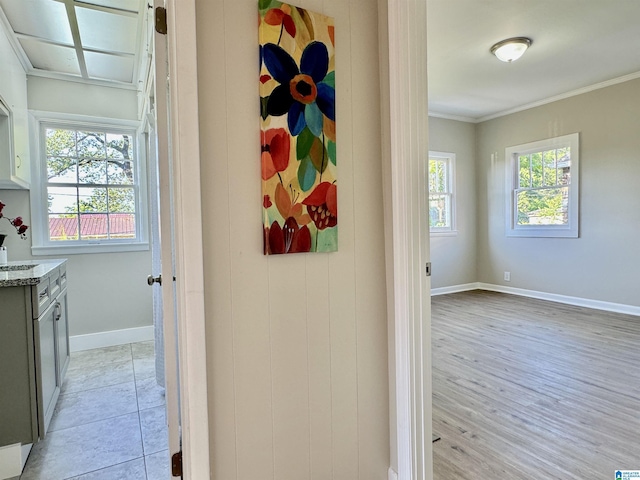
x: 13, y: 459
x: 455, y: 289
x: 553, y: 297
x: 78, y: 343
x: 392, y: 474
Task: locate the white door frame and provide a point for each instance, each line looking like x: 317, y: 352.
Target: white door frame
x: 403, y: 60
x: 403, y: 55
x: 185, y: 150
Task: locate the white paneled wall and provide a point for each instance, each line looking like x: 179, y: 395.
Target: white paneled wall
x: 297, y: 343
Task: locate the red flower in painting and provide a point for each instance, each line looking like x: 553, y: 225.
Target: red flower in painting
x: 266, y: 201
x: 288, y: 239
x: 281, y: 16
x: 275, y: 151
x: 322, y: 205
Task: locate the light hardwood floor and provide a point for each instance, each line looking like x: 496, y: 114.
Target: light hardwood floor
x: 533, y: 390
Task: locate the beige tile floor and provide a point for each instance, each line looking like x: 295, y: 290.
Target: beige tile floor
x: 109, y: 422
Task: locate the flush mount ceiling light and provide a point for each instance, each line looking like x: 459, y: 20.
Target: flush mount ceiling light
x: 511, y: 49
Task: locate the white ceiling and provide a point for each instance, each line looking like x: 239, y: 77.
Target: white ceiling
x: 95, y: 41
x: 577, y: 45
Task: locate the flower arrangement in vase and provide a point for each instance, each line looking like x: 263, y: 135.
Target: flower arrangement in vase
x: 16, y: 222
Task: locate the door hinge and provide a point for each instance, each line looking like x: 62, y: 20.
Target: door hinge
x: 161, y: 20
x: 176, y: 464
x: 428, y: 269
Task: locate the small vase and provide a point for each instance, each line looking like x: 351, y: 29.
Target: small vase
x: 3, y: 255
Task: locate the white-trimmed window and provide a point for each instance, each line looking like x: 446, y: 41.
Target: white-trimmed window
x: 542, y: 188
x: 441, y: 192
x: 89, y: 194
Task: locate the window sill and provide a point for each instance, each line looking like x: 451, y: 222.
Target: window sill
x: 443, y: 233
x: 87, y: 249
x: 539, y: 232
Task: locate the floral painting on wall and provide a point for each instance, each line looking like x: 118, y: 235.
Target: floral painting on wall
x: 298, y: 130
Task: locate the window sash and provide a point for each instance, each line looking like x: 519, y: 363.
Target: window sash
x: 440, y: 180
x: 99, y: 224
x: 543, y: 175
x: 440, y: 203
x: 117, y: 230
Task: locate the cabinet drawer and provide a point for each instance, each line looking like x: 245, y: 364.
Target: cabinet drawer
x: 54, y: 284
x: 40, y: 297
x: 63, y: 276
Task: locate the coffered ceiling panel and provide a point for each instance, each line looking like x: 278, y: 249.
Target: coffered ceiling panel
x: 43, y: 19
x: 106, y: 31
x: 110, y: 67
x: 51, y: 58
x: 93, y: 41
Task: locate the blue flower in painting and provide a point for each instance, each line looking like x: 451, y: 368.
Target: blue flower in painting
x: 302, y: 93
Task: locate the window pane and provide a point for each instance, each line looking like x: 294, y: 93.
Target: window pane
x: 91, y: 144
x: 60, y: 142
x: 92, y: 171
x: 92, y: 199
x: 546, y: 206
x: 62, y: 170
x: 439, y: 211
x: 564, y: 166
x: 122, y: 225
x: 122, y: 200
x: 62, y: 199
x: 536, y: 169
x: 524, y: 171
x: 438, y: 176
x: 442, y: 176
x: 549, y: 164
x: 432, y: 175
x: 119, y: 146
x: 120, y: 172
x: 564, y: 154
x: 63, y: 227
x: 101, y: 203
x: 93, y: 226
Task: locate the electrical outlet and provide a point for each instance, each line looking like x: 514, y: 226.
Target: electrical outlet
x: 507, y: 276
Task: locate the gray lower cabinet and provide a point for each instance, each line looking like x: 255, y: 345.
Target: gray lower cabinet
x: 62, y: 325
x: 34, y: 355
x: 46, y: 366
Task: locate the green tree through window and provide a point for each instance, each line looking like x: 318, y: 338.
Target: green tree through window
x: 91, y: 184
x: 542, y: 188
x: 441, y: 196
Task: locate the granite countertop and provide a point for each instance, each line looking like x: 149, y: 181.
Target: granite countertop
x: 27, y: 272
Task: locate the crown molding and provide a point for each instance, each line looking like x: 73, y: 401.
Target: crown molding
x: 457, y: 118
x: 539, y: 103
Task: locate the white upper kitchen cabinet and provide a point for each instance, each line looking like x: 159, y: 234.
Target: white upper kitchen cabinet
x: 15, y: 169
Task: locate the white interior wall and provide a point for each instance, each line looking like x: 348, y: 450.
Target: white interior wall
x: 298, y: 378
x: 106, y: 291
x: 453, y: 256
x: 50, y: 95
x: 602, y: 263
